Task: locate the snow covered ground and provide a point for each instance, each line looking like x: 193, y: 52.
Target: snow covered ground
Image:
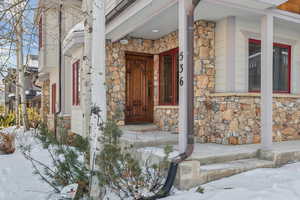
x: 260, y: 184
x: 18, y: 183
x: 16, y: 179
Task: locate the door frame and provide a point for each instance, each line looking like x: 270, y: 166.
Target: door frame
x: 151, y: 58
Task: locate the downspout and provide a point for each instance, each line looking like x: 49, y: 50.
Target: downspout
x: 60, y: 65
x: 186, y: 102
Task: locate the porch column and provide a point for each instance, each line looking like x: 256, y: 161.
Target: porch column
x: 186, y: 74
x: 230, y: 54
x: 267, y: 28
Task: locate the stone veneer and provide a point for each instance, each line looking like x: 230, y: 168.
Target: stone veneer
x: 235, y: 118
x: 45, y: 100
x: 164, y: 116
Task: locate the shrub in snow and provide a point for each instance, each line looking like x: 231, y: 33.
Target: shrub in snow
x: 7, y: 120
x: 68, y: 162
x: 34, y: 117
x: 121, y: 173
x: 7, y: 143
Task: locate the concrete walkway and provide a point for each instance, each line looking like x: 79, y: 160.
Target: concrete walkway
x: 211, y: 162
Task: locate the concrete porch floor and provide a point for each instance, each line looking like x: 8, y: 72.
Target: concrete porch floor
x: 211, y: 162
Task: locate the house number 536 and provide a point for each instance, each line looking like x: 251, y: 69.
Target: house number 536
x: 181, y: 82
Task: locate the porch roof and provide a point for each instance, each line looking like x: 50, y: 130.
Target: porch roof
x: 154, y: 19
x: 291, y: 6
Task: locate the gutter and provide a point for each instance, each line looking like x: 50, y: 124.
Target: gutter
x: 116, y: 11
x: 186, y: 107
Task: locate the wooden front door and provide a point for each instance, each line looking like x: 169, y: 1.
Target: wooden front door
x: 139, y: 89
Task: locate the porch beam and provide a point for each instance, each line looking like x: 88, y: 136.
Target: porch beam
x: 186, y: 74
x: 267, y: 38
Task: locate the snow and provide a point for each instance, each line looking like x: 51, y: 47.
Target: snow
x: 77, y: 28
x: 16, y: 179
x: 260, y: 184
x: 18, y: 183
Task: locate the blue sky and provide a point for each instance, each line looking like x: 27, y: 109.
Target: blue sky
x: 29, y: 37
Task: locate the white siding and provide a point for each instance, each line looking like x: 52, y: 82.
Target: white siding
x: 76, y: 111
x: 51, y: 38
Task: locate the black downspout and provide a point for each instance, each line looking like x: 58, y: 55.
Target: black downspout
x: 165, y: 190
x: 60, y: 65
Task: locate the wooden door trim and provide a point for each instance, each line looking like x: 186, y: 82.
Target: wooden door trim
x: 132, y: 53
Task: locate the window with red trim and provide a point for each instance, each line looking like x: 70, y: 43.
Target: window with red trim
x: 40, y: 33
x: 76, y: 83
x: 53, y: 95
x: 168, y: 78
x: 281, y: 67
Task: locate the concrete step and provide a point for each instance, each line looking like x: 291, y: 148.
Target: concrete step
x: 140, y: 128
x: 189, y: 176
x: 148, y: 139
x: 225, y: 157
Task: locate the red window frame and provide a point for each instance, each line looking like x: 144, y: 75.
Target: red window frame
x: 40, y: 33
x: 174, y: 54
x: 75, y: 81
x: 53, y: 94
x: 254, y: 41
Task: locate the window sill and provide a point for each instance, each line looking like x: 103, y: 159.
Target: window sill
x: 277, y: 95
x: 166, y: 107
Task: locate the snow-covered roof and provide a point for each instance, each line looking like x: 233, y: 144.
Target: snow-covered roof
x: 77, y: 28
x: 74, y: 38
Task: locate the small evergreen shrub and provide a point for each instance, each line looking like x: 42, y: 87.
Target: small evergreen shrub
x: 34, y: 117
x: 121, y: 173
x: 7, y: 120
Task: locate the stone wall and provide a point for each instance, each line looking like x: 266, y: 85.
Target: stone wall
x: 235, y: 119
x: 45, y: 100
x: 166, y: 117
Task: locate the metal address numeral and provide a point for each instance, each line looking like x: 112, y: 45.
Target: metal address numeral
x: 181, y: 82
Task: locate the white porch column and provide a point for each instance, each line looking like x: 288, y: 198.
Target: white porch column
x: 186, y: 74
x: 267, y: 29
x: 230, y: 54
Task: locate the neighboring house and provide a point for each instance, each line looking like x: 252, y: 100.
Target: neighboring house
x: 9, y: 82
x: 73, y: 49
x: 55, y: 20
x: 142, y: 67
x: 32, y: 91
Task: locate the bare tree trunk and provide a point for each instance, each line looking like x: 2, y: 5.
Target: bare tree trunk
x: 87, y: 63
x: 17, y: 94
x: 96, y: 23
x: 21, y: 72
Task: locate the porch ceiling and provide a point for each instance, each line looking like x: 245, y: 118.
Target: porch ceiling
x: 163, y: 18
x: 167, y: 21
